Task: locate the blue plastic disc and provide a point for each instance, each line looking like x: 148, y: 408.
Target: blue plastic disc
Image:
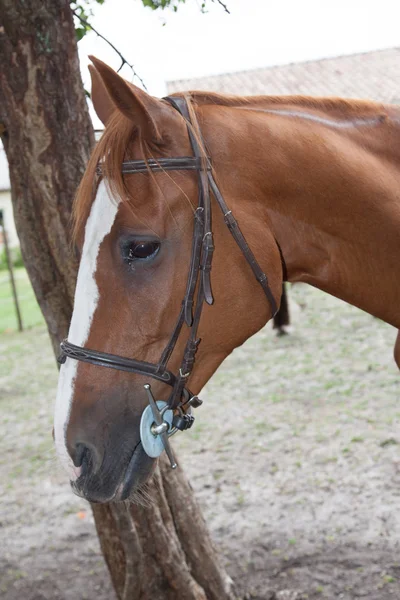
x: 152, y: 444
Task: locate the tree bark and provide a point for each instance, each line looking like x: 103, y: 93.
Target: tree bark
x: 170, y: 552
x: 48, y: 137
x: 162, y: 551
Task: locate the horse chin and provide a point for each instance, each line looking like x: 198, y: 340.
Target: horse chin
x: 130, y: 486
x: 138, y: 472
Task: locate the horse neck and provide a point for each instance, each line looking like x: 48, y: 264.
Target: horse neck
x: 327, y: 177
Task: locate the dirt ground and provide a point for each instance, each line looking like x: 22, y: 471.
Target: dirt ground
x: 294, y: 457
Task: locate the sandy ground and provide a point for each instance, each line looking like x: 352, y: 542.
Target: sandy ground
x: 294, y: 458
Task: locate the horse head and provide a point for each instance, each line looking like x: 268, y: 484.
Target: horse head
x: 138, y: 219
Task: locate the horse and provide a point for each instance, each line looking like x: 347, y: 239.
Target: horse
x: 309, y: 191
x: 281, y: 319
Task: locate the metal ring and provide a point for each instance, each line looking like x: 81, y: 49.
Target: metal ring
x: 173, y: 430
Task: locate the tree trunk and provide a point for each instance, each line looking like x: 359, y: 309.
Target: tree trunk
x: 170, y: 553
x: 164, y: 550
x: 48, y: 137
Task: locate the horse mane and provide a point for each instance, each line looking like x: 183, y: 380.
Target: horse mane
x: 113, y: 147
x: 343, y: 106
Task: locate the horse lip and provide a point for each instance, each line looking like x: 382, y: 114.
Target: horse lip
x: 125, y: 487
x: 120, y: 494
x: 136, y: 472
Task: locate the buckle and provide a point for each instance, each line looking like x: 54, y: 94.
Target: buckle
x: 184, y: 375
x: 183, y: 422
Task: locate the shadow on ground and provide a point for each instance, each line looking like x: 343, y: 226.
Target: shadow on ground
x: 294, y: 458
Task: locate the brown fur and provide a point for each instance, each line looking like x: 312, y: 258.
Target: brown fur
x: 111, y: 150
x: 318, y: 179
x: 113, y: 147
x: 341, y: 106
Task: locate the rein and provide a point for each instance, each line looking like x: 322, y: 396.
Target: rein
x: 160, y: 420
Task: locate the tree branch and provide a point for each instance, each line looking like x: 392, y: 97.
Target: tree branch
x: 223, y: 6
x: 123, y: 59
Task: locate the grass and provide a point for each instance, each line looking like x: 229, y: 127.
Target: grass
x: 30, y: 311
x: 279, y: 444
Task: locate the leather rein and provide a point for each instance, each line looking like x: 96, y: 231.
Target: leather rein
x: 198, y: 289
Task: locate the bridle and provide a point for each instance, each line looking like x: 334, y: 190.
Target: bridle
x: 160, y: 420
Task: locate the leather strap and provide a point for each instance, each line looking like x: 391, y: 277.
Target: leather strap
x: 199, y: 275
x: 200, y: 263
x: 181, y: 163
x: 113, y: 361
x: 239, y: 238
x: 181, y: 105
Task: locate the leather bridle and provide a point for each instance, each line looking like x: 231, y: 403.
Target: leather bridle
x: 198, y: 288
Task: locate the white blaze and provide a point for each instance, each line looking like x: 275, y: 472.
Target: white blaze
x: 98, y: 225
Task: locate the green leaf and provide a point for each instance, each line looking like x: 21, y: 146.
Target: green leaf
x: 80, y: 32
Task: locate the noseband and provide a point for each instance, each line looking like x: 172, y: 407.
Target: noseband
x: 160, y: 420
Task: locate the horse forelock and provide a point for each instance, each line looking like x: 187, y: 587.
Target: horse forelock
x: 111, y: 150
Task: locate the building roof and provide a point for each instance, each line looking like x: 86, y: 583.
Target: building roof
x: 371, y: 75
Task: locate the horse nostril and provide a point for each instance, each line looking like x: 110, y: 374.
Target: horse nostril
x: 85, y: 457
x: 79, y: 454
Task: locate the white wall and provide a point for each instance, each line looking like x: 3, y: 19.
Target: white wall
x: 6, y: 207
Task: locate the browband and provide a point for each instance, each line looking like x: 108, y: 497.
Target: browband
x: 198, y: 286
x: 184, y: 163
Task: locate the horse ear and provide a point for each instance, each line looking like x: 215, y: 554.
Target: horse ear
x: 134, y: 103
x: 103, y: 105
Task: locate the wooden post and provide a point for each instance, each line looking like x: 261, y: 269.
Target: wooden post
x: 11, y: 271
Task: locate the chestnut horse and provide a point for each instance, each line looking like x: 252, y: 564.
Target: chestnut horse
x: 315, y: 186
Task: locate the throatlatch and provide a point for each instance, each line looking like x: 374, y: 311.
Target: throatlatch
x: 160, y: 420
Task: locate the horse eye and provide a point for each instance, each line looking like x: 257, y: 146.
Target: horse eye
x: 141, y: 251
